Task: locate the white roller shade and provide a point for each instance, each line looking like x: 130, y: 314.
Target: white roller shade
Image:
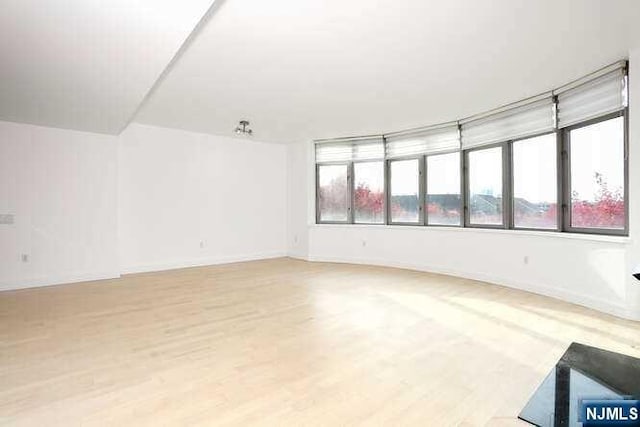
x: 602, y: 93
x: 519, y: 120
x: 368, y: 150
x: 434, y: 139
x: 348, y: 149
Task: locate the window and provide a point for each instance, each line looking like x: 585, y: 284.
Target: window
x: 404, y: 186
x: 443, y: 205
x: 368, y: 193
x: 333, y: 194
x: 596, y: 179
x: 485, y: 186
x: 535, y: 183
x: 556, y: 161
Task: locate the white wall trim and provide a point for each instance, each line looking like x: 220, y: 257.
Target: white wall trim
x: 622, y: 240
x: 536, y: 288
x: 200, y: 262
x: 64, y: 279
x: 88, y: 277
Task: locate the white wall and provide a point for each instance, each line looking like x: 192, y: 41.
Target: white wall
x: 584, y: 271
x: 633, y: 250
x: 298, y: 205
x: 594, y: 271
x: 90, y: 206
x: 178, y: 189
x: 61, y: 188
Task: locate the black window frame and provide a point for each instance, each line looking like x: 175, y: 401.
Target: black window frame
x: 566, y: 170
x: 349, y: 166
x: 421, y: 174
x: 505, y: 186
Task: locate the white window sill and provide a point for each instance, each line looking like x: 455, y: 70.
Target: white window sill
x: 547, y: 234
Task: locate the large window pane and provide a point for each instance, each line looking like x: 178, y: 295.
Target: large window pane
x: 333, y: 197
x: 535, y: 185
x: 597, y: 175
x: 485, y: 186
x: 369, y: 192
x: 404, y: 188
x: 443, y: 189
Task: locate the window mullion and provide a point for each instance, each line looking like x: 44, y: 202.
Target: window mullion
x: 318, y: 221
x: 422, y: 188
x: 464, y: 162
x: 507, y: 190
x: 560, y: 180
x: 351, y: 193
x: 566, y: 181
x: 626, y: 166
x: 387, y: 192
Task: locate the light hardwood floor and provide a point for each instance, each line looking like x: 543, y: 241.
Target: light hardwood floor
x: 284, y: 342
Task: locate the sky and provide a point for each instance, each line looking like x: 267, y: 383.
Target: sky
x: 403, y: 177
x: 370, y: 173
x: 598, y: 147
x: 535, y: 169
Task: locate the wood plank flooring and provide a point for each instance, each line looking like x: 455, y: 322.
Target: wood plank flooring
x: 284, y: 342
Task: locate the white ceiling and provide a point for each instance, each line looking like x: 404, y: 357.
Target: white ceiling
x: 298, y: 70
x: 322, y: 68
x: 87, y: 64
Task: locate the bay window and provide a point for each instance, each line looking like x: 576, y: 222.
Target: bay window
x: 553, y: 162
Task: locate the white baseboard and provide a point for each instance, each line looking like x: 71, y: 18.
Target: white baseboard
x: 200, y: 262
x: 37, y: 282
x: 298, y: 256
x: 86, y: 277
x: 536, y: 288
x: 561, y: 294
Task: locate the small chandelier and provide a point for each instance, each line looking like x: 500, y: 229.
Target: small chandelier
x: 243, y: 128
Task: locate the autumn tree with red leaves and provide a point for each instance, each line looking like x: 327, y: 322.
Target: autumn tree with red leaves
x: 607, y: 210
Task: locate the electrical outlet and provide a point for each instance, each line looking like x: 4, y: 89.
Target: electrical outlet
x: 364, y: 243
x: 526, y: 260
x: 201, y: 244
x: 25, y: 257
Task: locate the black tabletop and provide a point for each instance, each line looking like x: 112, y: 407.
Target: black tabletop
x: 583, y: 372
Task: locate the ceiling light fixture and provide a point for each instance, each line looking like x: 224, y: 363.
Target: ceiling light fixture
x: 243, y: 128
